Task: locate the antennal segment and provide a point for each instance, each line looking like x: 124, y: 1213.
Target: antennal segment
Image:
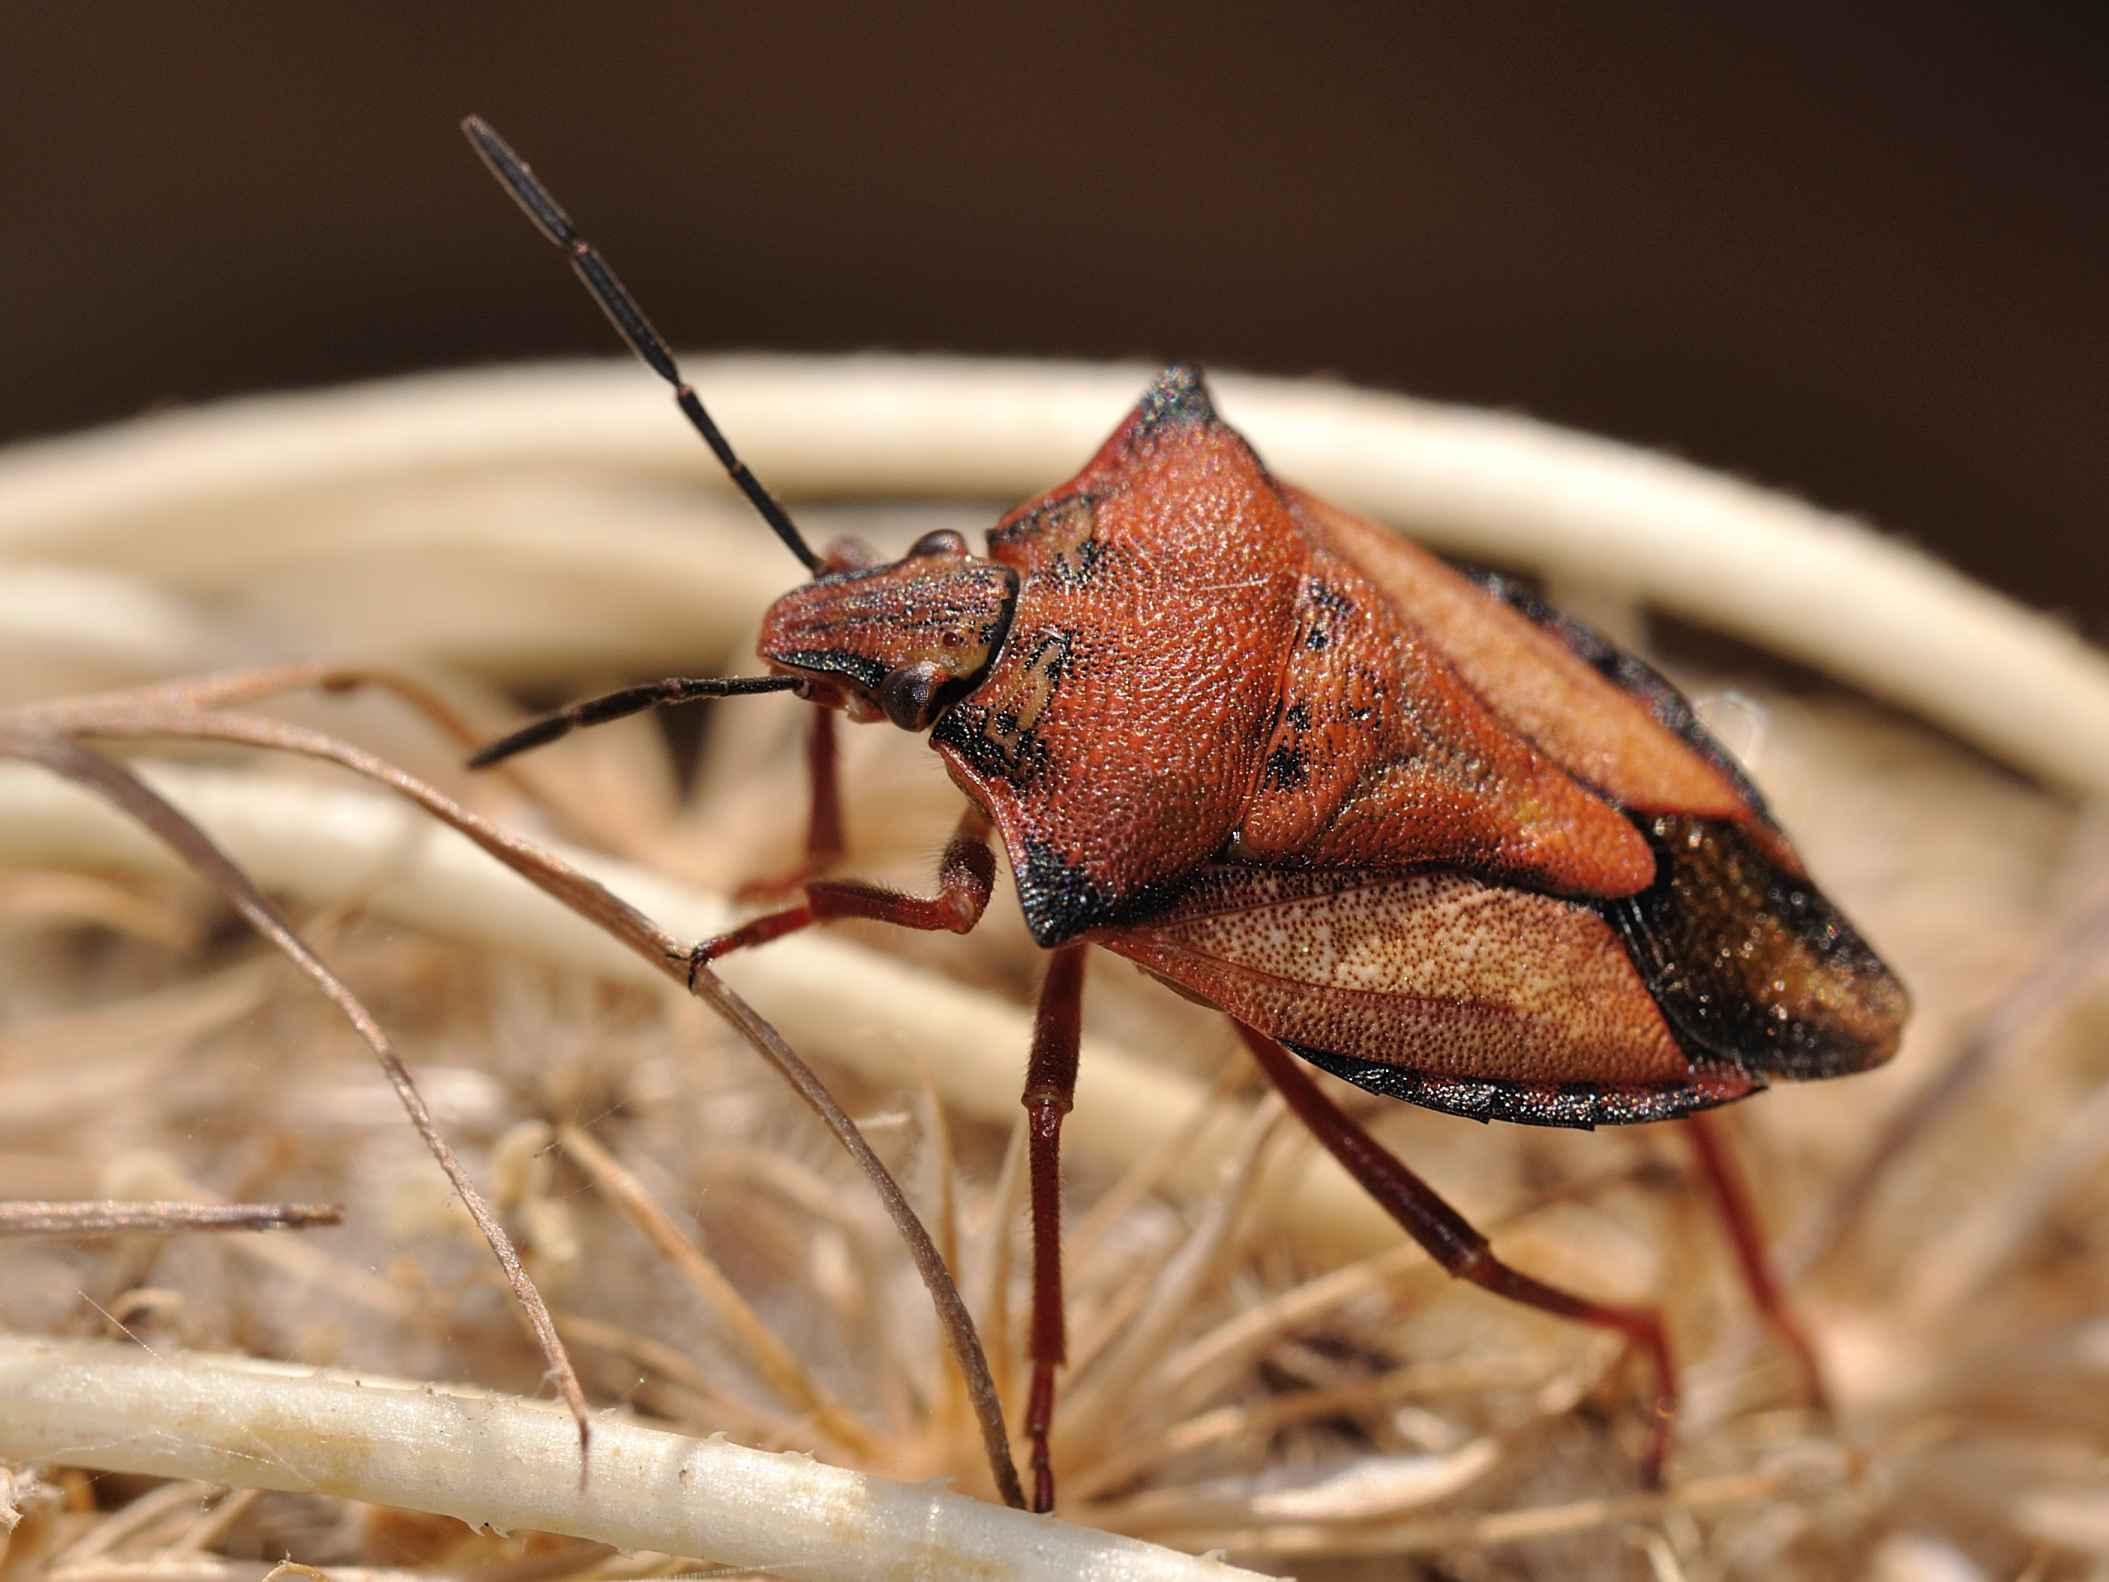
x: 629, y: 321
x: 620, y: 705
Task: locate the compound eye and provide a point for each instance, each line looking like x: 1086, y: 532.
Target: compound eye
x: 939, y: 541
x: 909, y: 694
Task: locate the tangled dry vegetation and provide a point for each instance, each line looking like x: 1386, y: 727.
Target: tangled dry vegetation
x: 1260, y: 1365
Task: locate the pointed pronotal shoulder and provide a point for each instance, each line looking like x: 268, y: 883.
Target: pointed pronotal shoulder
x: 1118, y: 735
x: 1178, y: 396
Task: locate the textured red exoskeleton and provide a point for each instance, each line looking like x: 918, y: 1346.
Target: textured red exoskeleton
x: 1413, y: 827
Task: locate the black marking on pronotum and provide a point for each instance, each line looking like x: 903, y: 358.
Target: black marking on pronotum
x: 1327, y: 597
x: 999, y: 738
x: 1060, y: 900
x: 998, y: 632
x: 1075, y: 567
x: 1286, y: 770
x: 972, y: 730
x: 1051, y: 657
x: 1060, y: 534
x: 1325, y: 607
x: 1058, y: 897
x: 1299, y: 716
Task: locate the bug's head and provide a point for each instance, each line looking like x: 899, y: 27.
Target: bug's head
x: 898, y: 641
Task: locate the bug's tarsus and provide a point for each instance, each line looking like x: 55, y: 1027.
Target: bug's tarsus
x: 622, y: 704
x: 628, y: 318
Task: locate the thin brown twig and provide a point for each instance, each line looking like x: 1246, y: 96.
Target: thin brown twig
x: 223, y: 690
x: 135, y: 797
x: 125, y: 716
x: 34, y: 1217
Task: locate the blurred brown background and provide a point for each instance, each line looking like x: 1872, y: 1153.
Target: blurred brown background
x: 1861, y: 256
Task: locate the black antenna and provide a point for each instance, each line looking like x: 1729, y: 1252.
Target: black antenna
x: 620, y: 705
x: 629, y: 321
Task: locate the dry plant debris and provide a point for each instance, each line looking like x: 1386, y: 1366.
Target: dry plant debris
x: 1257, y: 1369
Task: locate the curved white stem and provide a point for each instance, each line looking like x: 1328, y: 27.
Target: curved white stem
x: 513, y: 1465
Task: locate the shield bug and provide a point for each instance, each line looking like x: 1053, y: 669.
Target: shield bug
x: 1407, y: 826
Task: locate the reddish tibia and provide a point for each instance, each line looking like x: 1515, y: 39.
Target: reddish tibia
x: 1050, y: 1093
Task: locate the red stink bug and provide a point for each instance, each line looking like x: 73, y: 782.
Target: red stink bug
x: 1412, y: 827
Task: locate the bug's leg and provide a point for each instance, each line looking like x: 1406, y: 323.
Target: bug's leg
x: 1453, y: 1243
x: 965, y: 876
x: 1050, y: 1091
x: 1732, y: 1202
x: 824, y: 844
